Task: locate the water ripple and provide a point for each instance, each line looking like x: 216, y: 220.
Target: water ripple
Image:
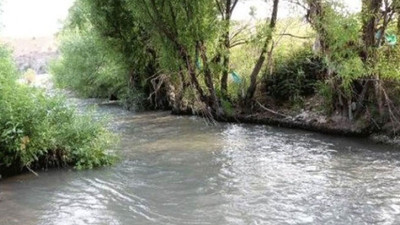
x: 179, y: 170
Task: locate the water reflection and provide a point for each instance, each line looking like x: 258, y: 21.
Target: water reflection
x: 179, y: 170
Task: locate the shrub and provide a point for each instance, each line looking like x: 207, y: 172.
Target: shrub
x: 295, y: 75
x: 40, y: 131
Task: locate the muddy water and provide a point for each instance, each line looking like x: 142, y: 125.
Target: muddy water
x: 180, y: 170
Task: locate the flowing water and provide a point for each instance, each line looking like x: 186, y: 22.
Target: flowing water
x: 181, y: 170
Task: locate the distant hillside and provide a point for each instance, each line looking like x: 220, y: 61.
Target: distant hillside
x: 34, y: 53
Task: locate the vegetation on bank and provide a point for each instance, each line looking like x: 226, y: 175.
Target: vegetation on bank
x: 38, y: 131
x: 191, y: 56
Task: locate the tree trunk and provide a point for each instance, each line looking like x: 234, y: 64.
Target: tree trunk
x: 396, y: 8
x: 227, y: 46
x: 370, y: 12
x: 398, y: 23
x: 226, y: 66
x: 190, y: 66
x: 213, y: 99
x: 257, y: 68
x: 316, y: 17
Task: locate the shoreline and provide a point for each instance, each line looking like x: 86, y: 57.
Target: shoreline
x: 328, y: 128
x: 350, y: 130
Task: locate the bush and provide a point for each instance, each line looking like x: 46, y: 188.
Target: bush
x: 295, y: 75
x: 89, y: 68
x: 39, y: 131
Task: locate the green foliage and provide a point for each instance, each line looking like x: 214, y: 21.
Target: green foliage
x: 38, y: 131
x: 8, y: 70
x: 104, y: 53
x: 387, y: 65
x: 227, y: 107
x: 134, y: 99
x: 89, y: 67
x: 342, y: 36
x: 295, y: 75
x: 350, y: 70
x: 324, y: 89
x: 176, y: 22
x: 117, y: 48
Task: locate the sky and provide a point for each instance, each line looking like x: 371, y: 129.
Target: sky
x: 243, y: 8
x: 32, y: 18
x: 38, y: 18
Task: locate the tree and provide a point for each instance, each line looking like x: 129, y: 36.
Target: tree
x: 185, y: 25
x: 118, y: 31
x: 226, y: 8
x: 261, y: 59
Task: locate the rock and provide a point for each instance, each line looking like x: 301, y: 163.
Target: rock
x: 322, y: 119
x: 304, y: 115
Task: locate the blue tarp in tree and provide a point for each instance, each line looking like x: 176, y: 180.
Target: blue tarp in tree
x: 236, y: 77
x: 391, y: 39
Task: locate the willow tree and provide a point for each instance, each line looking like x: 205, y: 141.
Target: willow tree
x: 117, y: 32
x: 185, y: 31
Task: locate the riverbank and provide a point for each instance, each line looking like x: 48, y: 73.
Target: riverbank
x: 309, y: 121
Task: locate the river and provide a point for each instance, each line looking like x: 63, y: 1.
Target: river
x: 181, y: 170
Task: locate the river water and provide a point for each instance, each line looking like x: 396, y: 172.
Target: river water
x: 181, y: 170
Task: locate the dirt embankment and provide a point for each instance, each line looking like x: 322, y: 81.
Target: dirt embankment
x: 310, y: 118
x: 32, y: 53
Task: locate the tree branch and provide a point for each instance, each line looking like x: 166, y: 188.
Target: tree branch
x: 295, y: 36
